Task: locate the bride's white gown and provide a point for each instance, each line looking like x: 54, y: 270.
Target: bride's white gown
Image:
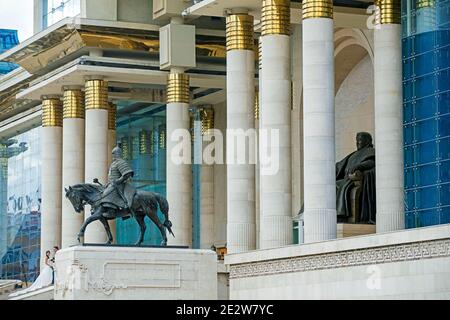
x: 44, y: 280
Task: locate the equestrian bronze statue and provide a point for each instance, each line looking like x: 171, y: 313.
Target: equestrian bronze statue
x: 355, y: 183
x: 119, y: 199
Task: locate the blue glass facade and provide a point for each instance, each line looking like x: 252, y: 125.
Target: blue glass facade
x: 20, y: 180
x: 8, y: 39
x: 141, y: 131
x: 426, y: 93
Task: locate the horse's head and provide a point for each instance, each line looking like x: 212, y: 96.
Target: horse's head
x: 75, y: 198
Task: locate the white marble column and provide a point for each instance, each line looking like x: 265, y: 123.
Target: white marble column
x: 318, y: 115
x: 73, y: 161
x: 51, y: 180
x: 241, y: 233
x: 112, y: 143
x: 389, y: 119
x: 179, y: 174
x: 297, y: 119
x: 96, y: 158
x: 275, y: 117
x: 207, y: 183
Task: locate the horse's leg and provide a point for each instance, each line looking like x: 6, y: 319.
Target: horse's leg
x: 141, y: 222
x: 95, y: 216
x: 154, y: 217
x: 108, y: 230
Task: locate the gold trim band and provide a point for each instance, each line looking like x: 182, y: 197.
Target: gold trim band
x: 317, y: 9
x: 52, y: 112
x: 276, y: 17
x: 112, y: 116
x: 178, y: 88
x: 207, y: 119
x: 96, y: 94
x: 256, y: 105
x: 260, y: 53
x: 240, y: 32
x: 388, y: 12
x: 420, y: 4
x: 146, y: 142
x: 162, y: 137
x: 73, y: 104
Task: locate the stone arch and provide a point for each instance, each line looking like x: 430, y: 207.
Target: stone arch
x: 350, y: 47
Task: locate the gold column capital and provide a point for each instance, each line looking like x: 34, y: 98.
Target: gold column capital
x: 73, y: 103
x: 317, y: 9
x: 276, y: 17
x: 112, y: 116
x: 52, y: 112
x: 240, y: 32
x: 178, y: 88
x: 96, y: 93
x: 388, y: 11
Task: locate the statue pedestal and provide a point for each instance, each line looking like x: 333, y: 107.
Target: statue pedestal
x: 345, y: 230
x: 135, y: 273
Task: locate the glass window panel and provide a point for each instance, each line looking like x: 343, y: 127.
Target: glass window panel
x: 444, y: 102
x: 409, y: 155
x: 427, y: 175
x: 428, y: 217
x: 444, y: 149
x: 444, y: 192
x: 410, y: 220
x: 424, y: 42
x: 425, y: 86
x: 426, y: 152
x: 445, y: 215
x: 408, y: 112
x: 409, y: 178
x: 425, y: 130
x: 427, y: 197
x: 444, y: 172
x: 425, y: 108
x: 424, y: 63
x: 408, y: 134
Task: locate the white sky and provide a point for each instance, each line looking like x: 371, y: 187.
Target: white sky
x: 17, y: 15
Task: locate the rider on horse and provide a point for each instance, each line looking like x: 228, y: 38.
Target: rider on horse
x: 119, y: 192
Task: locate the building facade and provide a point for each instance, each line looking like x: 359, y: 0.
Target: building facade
x: 144, y: 73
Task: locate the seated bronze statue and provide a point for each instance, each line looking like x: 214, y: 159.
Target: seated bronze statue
x: 355, y: 183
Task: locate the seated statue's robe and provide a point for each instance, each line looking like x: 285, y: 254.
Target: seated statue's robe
x: 344, y: 186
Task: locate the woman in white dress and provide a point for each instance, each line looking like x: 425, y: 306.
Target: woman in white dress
x: 45, y: 279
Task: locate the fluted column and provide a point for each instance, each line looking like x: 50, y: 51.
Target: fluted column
x: 389, y: 118
x: 207, y: 183
x: 241, y: 235
x: 179, y: 175
x: 112, y: 143
x: 275, y: 117
x: 96, y: 158
x: 73, y: 161
x: 318, y: 114
x: 51, y: 180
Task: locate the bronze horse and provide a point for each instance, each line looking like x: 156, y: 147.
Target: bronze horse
x: 144, y: 204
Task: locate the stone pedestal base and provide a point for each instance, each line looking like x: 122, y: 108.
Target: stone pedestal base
x: 135, y: 273
x: 345, y: 230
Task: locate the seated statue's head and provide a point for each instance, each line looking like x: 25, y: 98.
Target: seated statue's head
x: 363, y: 140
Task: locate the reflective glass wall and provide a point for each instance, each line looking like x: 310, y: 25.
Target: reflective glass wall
x: 56, y: 10
x: 141, y: 132
x: 20, y: 174
x: 426, y: 91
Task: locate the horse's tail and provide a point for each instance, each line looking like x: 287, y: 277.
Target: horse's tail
x: 164, y: 207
